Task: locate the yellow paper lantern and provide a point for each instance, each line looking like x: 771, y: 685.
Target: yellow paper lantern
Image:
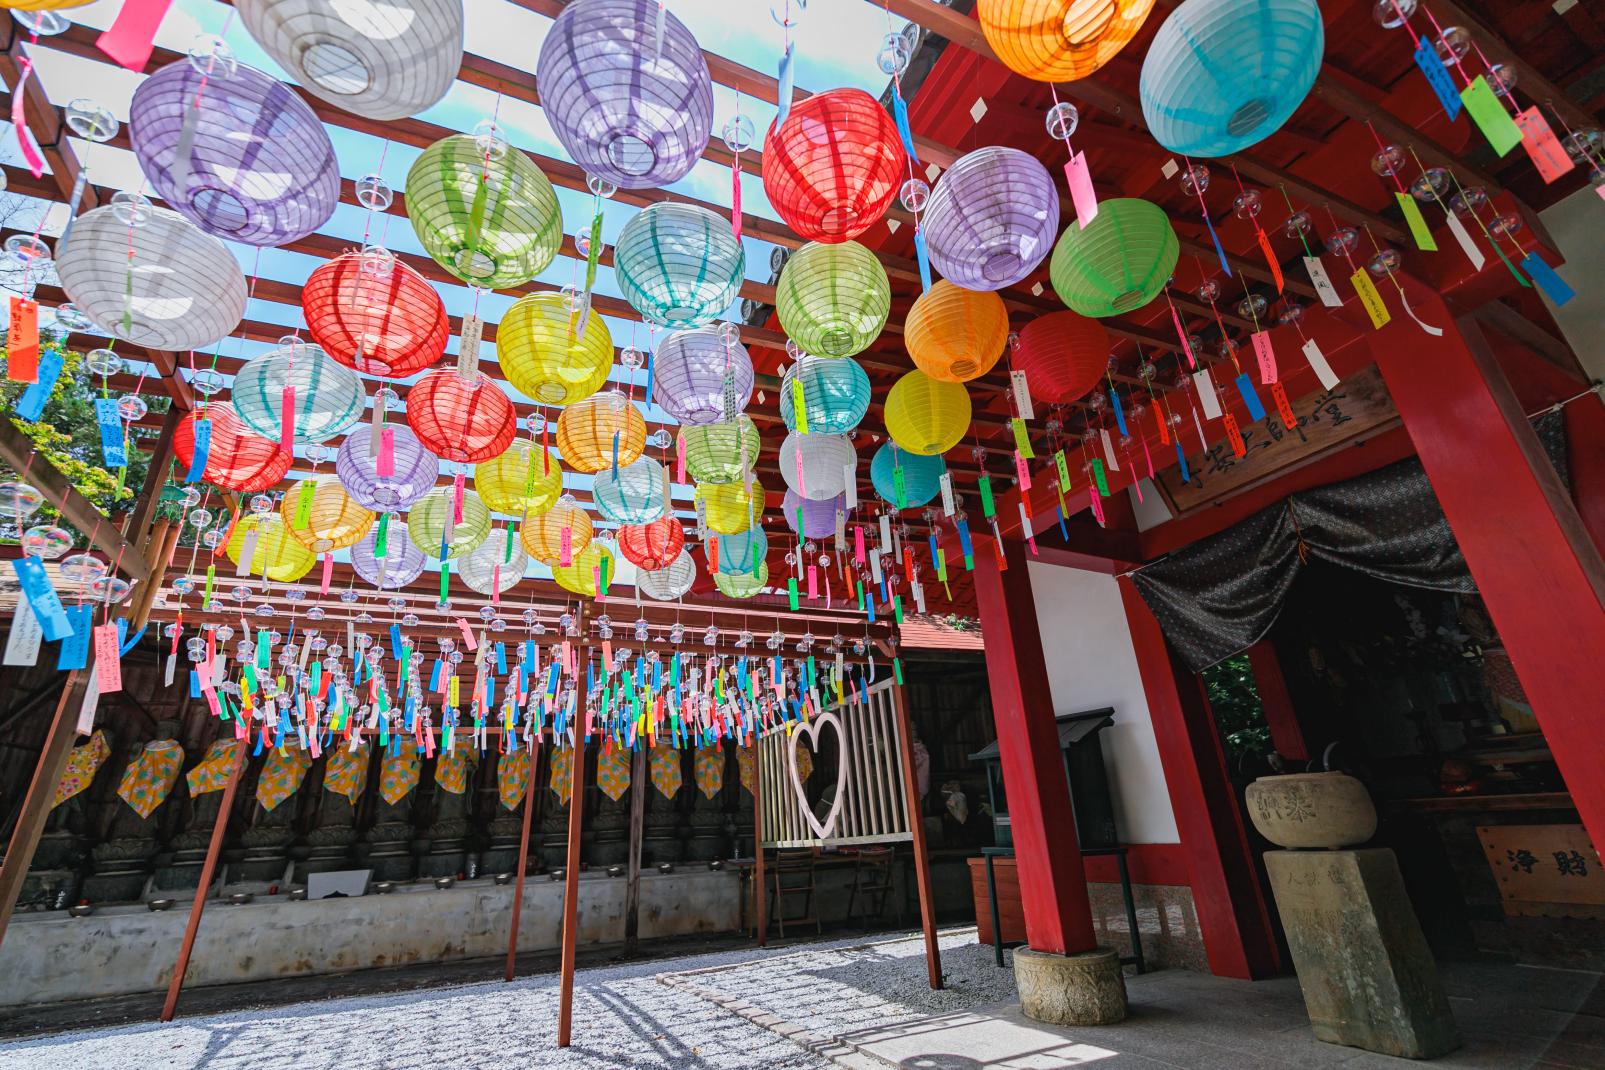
x: 543, y: 356
x: 925, y: 415
x: 526, y: 480
x: 42, y: 5
x: 580, y: 577
x: 955, y: 334
x: 276, y: 554
x: 320, y: 515
x: 588, y: 430
x: 1059, y: 40
x: 730, y: 508
x: 429, y: 516
x: 742, y: 584
x: 542, y: 535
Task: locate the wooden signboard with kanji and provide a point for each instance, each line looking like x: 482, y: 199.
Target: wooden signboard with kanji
x: 1544, y: 869
x: 1327, y: 418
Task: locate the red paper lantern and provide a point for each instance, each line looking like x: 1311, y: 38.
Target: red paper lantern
x: 459, y: 419
x: 652, y: 546
x: 1063, y: 356
x: 237, y: 458
x: 376, y: 315
x: 832, y: 168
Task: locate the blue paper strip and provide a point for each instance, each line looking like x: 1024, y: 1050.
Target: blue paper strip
x: 131, y: 643
x: 203, y: 448
x: 923, y: 257
x: 1245, y: 387
x: 900, y: 113
x: 964, y: 537
x: 42, y: 598
x: 1181, y: 459
x: 1443, y: 86
x: 194, y: 684
x: 783, y: 94
x: 112, y: 448
x: 1555, y: 288
x: 395, y: 641
x: 1224, y: 266
x: 32, y: 403
x: 501, y: 659
x: 1120, y: 414
x: 74, y: 652
x: 1064, y: 532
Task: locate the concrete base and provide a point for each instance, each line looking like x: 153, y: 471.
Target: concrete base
x: 1369, y: 979
x: 1083, y: 989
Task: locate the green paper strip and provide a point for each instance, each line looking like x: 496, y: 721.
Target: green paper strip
x: 900, y: 487
x: 303, y: 504
x: 987, y: 508
x: 791, y: 591
x: 897, y: 607
x: 799, y: 406
x: 1416, y: 222
x: 1022, y: 438
x: 595, y: 251
x: 211, y: 575
x: 445, y: 578
x: 1490, y: 116
x: 381, y: 537
x: 897, y: 670
x: 1097, y: 474
x: 1064, y: 472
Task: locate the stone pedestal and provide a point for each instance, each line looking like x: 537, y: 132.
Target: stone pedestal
x: 1368, y: 977
x: 1083, y: 989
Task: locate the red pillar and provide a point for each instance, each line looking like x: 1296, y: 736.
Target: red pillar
x: 1238, y: 936
x: 1585, y: 449
x: 1287, y: 735
x: 1536, y: 566
x: 1053, y: 885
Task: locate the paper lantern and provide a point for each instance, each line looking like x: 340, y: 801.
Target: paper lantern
x: 492, y: 221
x: 714, y: 453
x: 375, y: 314
x: 744, y: 585
x: 835, y: 394
x: 377, y: 60
x: 925, y: 415
x: 631, y: 495
x: 432, y: 514
x: 1222, y: 75
x: 526, y: 479
x: 581, y: 577
x: 497, y: 564
x: 654, y: 545
x: 328, y: 400
x: 818, y: 516
x: 833, y: 299
x: 260, y: 167
x: 817, y: 466
x: 187, y: 289
x: 627, y: 91
x: 671, y: 582
x: 543, y: 535
x: 743, y: 553
x: 1119, y: 263
x: 237, y: 458
x: 275, y: 553
x: 678, y: 265
x: 731, y: 507
x: 1059, y: 40
x: 954, y: 334
x: 461, y: 420
x: 538, y: 350
x: 832, y: 168
x: 922, y: 476
x: 402, y: 563
x: 694, y: 371
x: 991, y: 219
x: 42, y: 5
x: 1063, y: 356
x: 412, y: 470
x: 600, y: 431
x: 321, y: 516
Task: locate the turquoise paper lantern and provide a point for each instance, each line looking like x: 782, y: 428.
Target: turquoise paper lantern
x: 743, y: 554
x: 633, y: 494
x: 835, y: 394
x: 1222, y: 75
x: 922, y: 476
x: 678, y: 265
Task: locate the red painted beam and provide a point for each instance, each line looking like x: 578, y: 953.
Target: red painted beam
x: 1287, y: 735
x: 1585, y: 446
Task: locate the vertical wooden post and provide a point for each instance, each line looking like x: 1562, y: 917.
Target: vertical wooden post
x: 760, y: 891
x: 42, y: 790
x: 916, y: 826
x: 213, y: 848
x: 1287, y: 733
x: 523, y: 861
x: 576, y: 812
x: 632, y: 887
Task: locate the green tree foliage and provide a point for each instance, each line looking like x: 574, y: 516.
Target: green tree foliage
x: 1238, y: 714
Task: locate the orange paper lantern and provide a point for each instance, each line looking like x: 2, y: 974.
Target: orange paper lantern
x: 954, y: 334
x: 1059, y: 40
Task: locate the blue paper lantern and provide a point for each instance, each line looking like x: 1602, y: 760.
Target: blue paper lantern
x: 743, y: 554
x: 922, y: 476
x: 835, y: 394
x: 632, y: 494
x: 678, y: 265
x: 1222, y: 75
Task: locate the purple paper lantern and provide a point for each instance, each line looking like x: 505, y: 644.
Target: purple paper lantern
x: 626, y: 89
x: 403, y: 562
x: 689, y: 374
x: 413, y: 469
x: 991, y: 219
x: 818, y: 517
x: 260, y: 167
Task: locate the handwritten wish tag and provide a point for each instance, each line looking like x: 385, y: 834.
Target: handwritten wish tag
x: 1022, y: 438
x: 22, y: 341
x: 1322, y: 282
x: 945, y: 481
x: 1022, y: 395
x: 1490, y: 116
x: 1443, y: 86
x: 1022, y: 472
x: 1266, y: 356
x: 113, y: 447
x: 1234, y: 435
x: 22, y: 645
x: 1541, y: 145
x: 1284, y: 408
x: 36, y: 588
x: 108, y: 663
x: 468, y: 349
x: 1063, y: 467
x: 1108, y: 449
x: 1416, y: 222
x: 1270, y: 258
x: 1370, y: 298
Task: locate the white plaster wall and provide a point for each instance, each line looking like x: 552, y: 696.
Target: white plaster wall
x: 1091, y: 664
x: 1575, y: 224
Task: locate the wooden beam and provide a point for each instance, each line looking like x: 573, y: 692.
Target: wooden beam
x: 1530, y: 81
x: 916, y: 828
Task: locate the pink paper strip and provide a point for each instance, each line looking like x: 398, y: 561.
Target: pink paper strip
x: 1175, y: 318
x: 468, y: 635
x: 735, y: 199
x: 328, y: 573
x: 384, y: 465
x: 287, y: 420
x: 1266, y: 355
x: 132, y: 37
x: 1079, y: 176
x: 19, y: 122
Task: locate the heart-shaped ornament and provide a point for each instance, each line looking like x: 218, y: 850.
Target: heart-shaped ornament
x: 811, y: 730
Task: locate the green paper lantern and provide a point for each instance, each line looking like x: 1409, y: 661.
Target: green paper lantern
x: 491, y: 221
x: 426, y: 523
x: 713, y: 451
x: 833, y: 299
x: 1119, y: 263
x: 743, y: 585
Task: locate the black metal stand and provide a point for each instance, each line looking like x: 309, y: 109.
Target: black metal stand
x: 1133, y: 959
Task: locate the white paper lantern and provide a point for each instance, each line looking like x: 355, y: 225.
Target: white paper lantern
x: 498, y: 561
x: 381, y: 59
x: 825, y: 462
x: 182, y: 289
x: 667, y: 584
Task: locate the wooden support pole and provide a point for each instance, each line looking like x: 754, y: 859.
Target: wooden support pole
x: 523, y: 863
x: 36, y: 804
x: 760, y: 891
x: 576, y: 823
x: 632, y: 887
x: 916, y: 827
x: 150, y: 494
x: 213, y: 848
